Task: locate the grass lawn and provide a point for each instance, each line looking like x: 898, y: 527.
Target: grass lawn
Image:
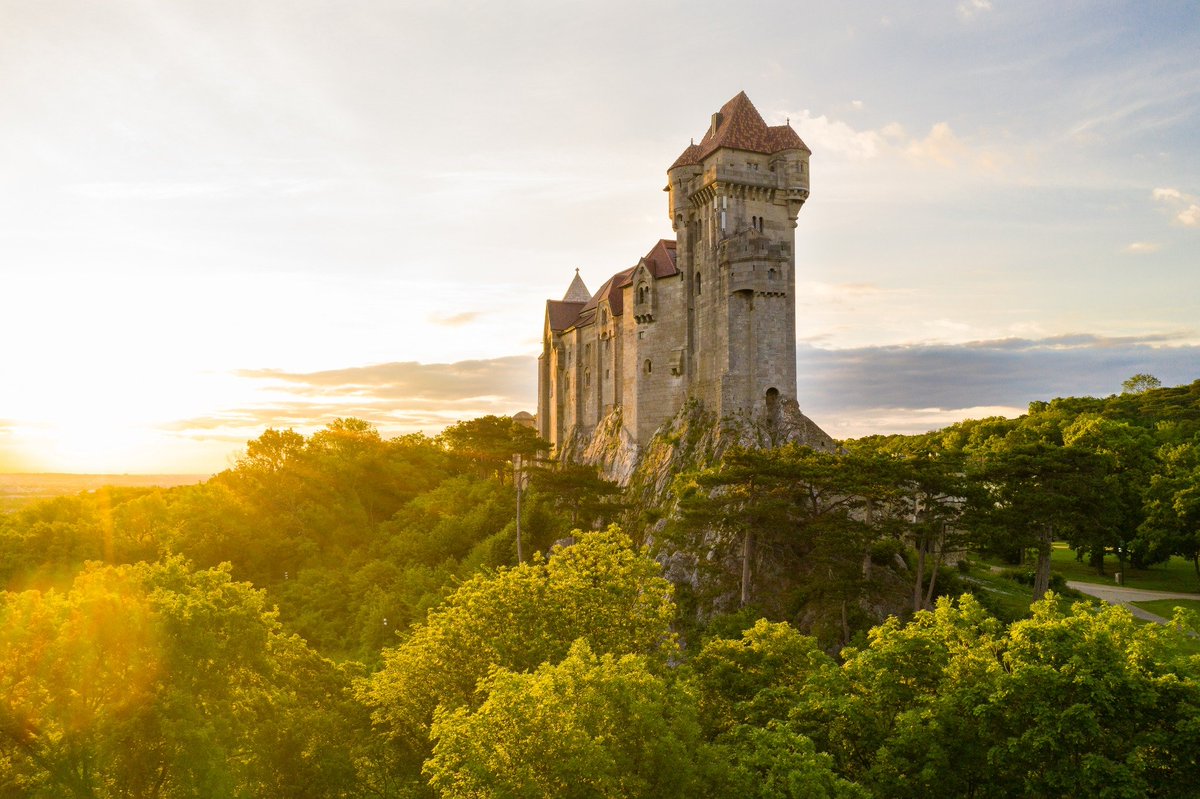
x: 1166, y: 607
x: 1177, y: 574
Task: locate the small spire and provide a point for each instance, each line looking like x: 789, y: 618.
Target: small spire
x: 693, y: 141
x: 577, y: 292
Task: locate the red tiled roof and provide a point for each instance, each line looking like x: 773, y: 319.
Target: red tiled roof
x: 562, y: 314
x: 611, y: 291
x: 661, y: 260
x: 741, y: 127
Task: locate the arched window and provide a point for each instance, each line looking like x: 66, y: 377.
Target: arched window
x: 643, y: 293
x: 697, y: 282
x: 649, y: 367
x: 587, y: 378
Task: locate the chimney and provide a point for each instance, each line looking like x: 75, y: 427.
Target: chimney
x: 716, y: 122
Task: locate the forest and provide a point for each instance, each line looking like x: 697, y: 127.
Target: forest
x: 343, y: 615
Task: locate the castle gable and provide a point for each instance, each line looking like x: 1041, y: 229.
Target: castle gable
x: 561, y: 314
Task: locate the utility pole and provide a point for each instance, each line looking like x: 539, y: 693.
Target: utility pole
x: 517, y: 482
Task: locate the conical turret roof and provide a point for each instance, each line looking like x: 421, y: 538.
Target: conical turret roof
x: 577, y: 291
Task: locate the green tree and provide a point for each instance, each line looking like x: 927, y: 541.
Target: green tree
x: 160, y: 681
x: 1140, y: 383
x: 588, y: 726
x: 1080, y: 703
x: 600, y: 589
x: 1172, y: 504
x: 489, y: 442
x: 755, y: 679
x: 776, y: 762
x: 1033, y: 492
x: 579, y: 491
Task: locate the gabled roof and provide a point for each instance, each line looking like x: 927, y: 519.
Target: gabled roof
x: 570, y: 312
x: 611, y: 291
x: 662, y: 259
x: 562, y: 314
x: 660, y: 262
x: 577, y: 291
x: 739, y: 126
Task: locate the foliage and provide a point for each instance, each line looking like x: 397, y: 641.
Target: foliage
x: 588, y: 726
x: 600, y: 590
x: 156, y: 680
x: 1082, y: 703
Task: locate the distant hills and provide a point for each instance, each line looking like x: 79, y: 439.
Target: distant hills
x: 19, y: 489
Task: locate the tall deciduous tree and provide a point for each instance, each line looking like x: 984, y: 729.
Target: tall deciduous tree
x: 600, y: 589
x: 588, y: 726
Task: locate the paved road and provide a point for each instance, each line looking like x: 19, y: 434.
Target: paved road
x: 1120, y: 595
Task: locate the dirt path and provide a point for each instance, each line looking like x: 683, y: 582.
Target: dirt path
x: 1120, y: 595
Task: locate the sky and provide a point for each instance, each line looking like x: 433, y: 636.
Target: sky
x: 218, y: 217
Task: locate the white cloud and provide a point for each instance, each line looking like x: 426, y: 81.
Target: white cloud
x: 969, y: 8
x: 1142, y: 247
x: 832, y: 136
x: 1189, y: 216
x: 940, y: 146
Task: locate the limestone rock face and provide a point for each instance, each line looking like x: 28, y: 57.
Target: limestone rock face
x: 610, y: 447
x: 694, y: 438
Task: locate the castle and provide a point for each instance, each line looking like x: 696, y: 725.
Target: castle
x: 709, y: 316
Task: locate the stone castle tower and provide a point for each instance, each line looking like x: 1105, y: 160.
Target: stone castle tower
x: 710, y: 316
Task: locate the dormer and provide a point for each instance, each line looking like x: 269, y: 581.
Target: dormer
x: 645, y: 299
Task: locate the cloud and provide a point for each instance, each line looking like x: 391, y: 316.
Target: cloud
x: 397, y: 398
x: 832, y: 136
x: 970, y: 8
x: 508, y: 378
x: 1188, y: 216
x: 941, y: 145
x: 455, y: 320
x: 1142, y: 247
x: 890, y: 388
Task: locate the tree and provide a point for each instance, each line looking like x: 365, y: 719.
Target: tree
x: 600, y: 589
x: 579, y: 490
x: 1080, y: 703
x: 1034, y: 491
x: 160, y: 681
x: 588, y: 726
x: 1126, y: 454
x: 755, y: 679
x: 1140, y: 383
x: 489, y: 442
x: 776, y: 762
x: 1172, y: 504
x: 800, y: 514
